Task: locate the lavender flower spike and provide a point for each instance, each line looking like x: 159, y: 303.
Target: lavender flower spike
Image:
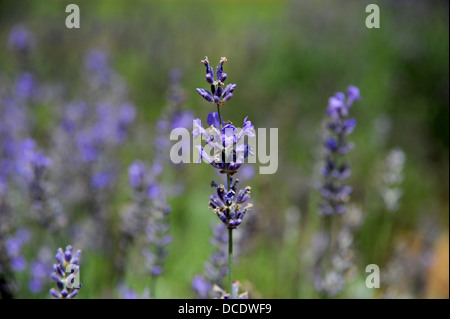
x: 333, y: 189
x: 229, y: 154
x: 332, y: 241
x: 218, y: 95
x: 66, y: 273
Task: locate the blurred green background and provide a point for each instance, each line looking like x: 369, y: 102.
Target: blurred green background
x: 287, y: 58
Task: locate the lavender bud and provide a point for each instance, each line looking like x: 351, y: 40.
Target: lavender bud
x: 205, y: 94
x: 223, y: 77
x: 73, y: 294
x: 54, y: 293
x: 228, y: 97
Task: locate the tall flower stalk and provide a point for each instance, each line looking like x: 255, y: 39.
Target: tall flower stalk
x: 226, y: 152
x: 335, y: 193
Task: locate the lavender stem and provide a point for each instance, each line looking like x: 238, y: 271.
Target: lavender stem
x: 220, y: 117
x: 230, y: 231
x: 230, y: 245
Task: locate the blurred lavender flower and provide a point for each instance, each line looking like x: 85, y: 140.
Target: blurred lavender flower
x: 146, y: 219
x: 174, y: 116
x: 25, y: 86
x: 128, y: 293
x: 32, y: 166
x: 96, y: 60
x: 102, y: 179
x: 176, y: 95
x: 218, y: 94
x: 14, y: 246
x: 157, y: 236
x: 333, y: 242
x: 334, y: 251
x: 21, y: 39
x: 392, y: 178
x: 333, y: 190
x: 216, y: 266
x: 40, y: 268
x: 92, y: 131
x: 65, y: 273
x: 201, y: 286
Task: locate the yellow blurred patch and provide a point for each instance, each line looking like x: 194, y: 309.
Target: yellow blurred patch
x: 438, y: 275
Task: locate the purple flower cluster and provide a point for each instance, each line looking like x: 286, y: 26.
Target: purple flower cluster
x: 76, y: 169
x: 332, y: 244
x: 21, y: 39
x: 333, y: 189
x: 95, y: 127
x: 32, y: 165
x: 229, y: 153
x: 65, y: 273
x: 14, y: 247
x: 225, y: 142
x: 218, y: 94
x: 174, y: 116
x: 39, y: 269
x: 147, y: 217
x: 228, y: 204
x: 91, y: 131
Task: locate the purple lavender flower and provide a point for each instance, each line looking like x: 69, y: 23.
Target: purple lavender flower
x: 157, y: 238
x: 201, y: 286
x: 89, y: 145
x: 21, y: 39
x: 3, y: 186
x: 73, y: 116
x: 13, y: 249
x: 147, y: 218
x: 25, y: 86
x: 218, y: 94
x: 32, y: 166
x: 66, y: 273
x: 226, y: 143
x: 136, y: 174
x: 228, y: 204
x: 334, y: 192
x: 96, y: 60
x: 331, y: 252
x: 102, y: 179
x: 40, y: 268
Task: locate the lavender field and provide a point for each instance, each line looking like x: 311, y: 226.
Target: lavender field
x: 234, y: 149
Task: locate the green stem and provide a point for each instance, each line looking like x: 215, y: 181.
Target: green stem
x: 230, y: 247
x: 153, y: 286
x: 230, y: 231
x: 220, y: 117
x: 230, y: 260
